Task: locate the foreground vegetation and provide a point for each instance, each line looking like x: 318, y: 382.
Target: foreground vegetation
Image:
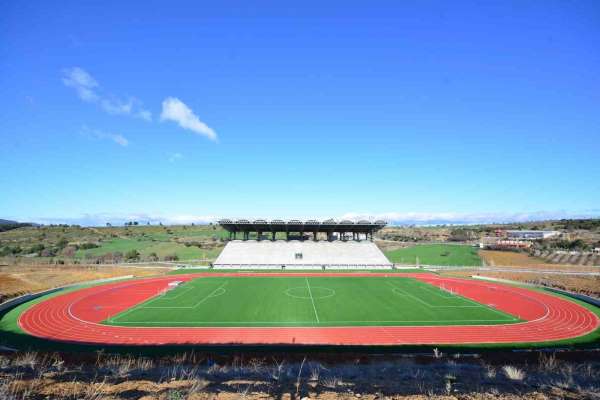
x: 192, y: 375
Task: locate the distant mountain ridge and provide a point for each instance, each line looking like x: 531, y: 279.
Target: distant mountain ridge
x: 7, y: 224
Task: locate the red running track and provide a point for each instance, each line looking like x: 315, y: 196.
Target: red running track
x: 76, y: 316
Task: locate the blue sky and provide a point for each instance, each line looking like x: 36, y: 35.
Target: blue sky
x: 187, y: 111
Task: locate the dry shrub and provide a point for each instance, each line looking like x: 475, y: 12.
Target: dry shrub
x: 548, y: 362
x: 315, y: 372
x: 198, y: 385
x: 490, y: 372
x: 331, y: 382
x: 28, y: 359
x: 513, y: 373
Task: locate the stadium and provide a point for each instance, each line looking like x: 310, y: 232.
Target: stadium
x: 305, y: 283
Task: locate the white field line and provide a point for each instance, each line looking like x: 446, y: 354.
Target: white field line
x: 475, y: 304
x: 209, y: 295
x: 141, y: 307
x: 215, y: 293
x: 287, y: 292
x: 512, y: 318
x: 165, y: 295
x: 458, y: 321
x: 155, y: 298
x: 397, y: 290
x: 436, y: 292
x: 114, y: 318
x: 311, y: 299
x: 160, y: 295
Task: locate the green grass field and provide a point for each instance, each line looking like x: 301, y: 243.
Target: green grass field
x: 312, y: 301
x: 436, y: 254
x: 147, y: 247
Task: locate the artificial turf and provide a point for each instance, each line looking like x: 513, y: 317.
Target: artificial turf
x: 308, y: 301
x: 436, y: 254
x: 11, y: 335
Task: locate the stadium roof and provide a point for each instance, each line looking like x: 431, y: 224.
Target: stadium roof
x: 294, y: 225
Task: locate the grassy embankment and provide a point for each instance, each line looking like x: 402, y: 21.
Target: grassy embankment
x: 436, y: 254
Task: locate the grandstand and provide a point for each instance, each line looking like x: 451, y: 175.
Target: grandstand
x: 337, y: 251
x: 330, y: 228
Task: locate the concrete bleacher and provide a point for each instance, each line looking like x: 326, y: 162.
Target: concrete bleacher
x: 266, y: 254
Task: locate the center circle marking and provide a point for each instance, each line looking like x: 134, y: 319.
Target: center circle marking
x: 302, y: 292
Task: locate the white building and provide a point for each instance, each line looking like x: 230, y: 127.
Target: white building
x: 531, y: 234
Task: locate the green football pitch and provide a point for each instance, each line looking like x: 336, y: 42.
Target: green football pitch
x: 308, y: 301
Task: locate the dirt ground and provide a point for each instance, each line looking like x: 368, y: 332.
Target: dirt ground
x: 516, y: 260
x: 16, y: 280
x: 494, y: 257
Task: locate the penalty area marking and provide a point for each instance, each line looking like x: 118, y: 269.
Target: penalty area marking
x: 217, y: 292
x: 398, y: 291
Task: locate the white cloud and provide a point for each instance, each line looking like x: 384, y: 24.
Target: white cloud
x: 88, y: 89
x: 98, y: 219
x: 98, y: 134
x: 82, y: 82
x: 438, y: 218
x: 116, y: 106
x: 174, y: 109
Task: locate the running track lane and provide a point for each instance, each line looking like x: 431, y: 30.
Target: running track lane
x: 74, y: 317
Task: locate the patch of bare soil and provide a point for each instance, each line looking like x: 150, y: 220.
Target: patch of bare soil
x: 519, y: 260
x: 510, y: 258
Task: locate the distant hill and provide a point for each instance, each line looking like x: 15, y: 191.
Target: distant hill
x: 7, y: 224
